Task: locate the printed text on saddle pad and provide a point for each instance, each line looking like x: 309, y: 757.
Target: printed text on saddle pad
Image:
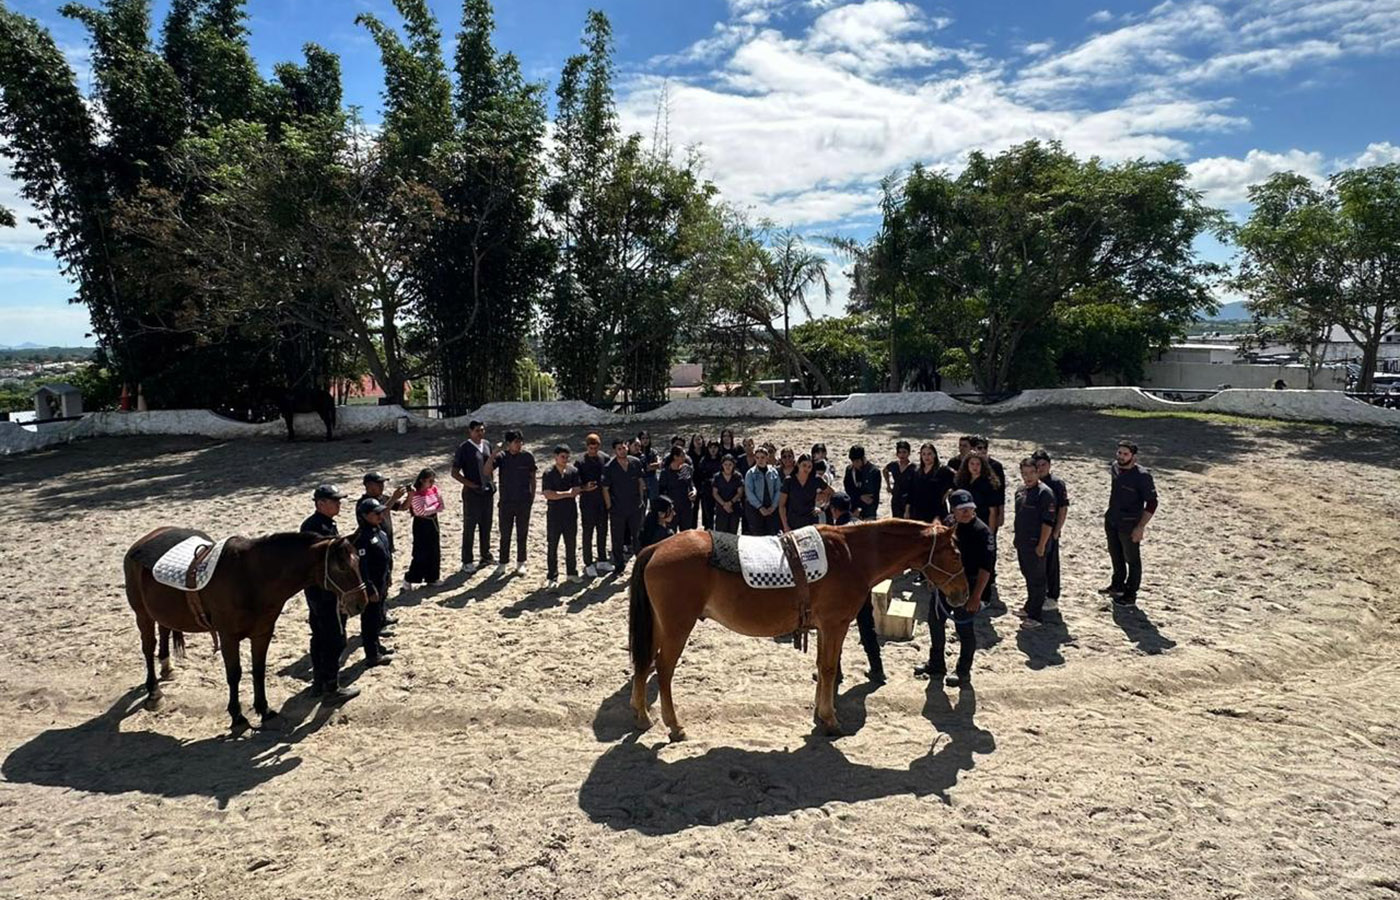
x: 174, y: 565
x: 761, y: 559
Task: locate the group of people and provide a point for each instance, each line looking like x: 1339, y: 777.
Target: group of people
x: 636, y: 496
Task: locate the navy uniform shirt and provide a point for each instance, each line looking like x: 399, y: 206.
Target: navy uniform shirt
x: 621, y: 481
x: 1035, y: 506
x: 590, y: 469
x: 472, y: 464
x: 865, y: 481
x: 801, y: 500
x: 727, y: 488
x: 927, y: 493
x: 566, y: 510
x: 320, y: 525
x: 516, y: 472
x: 388, y: 526
x: 373, y: 550
x: 977, y: 548
x: 1132, y: 492
x: 986, y: 496
x: 1057, y: 486
x: 899, y: 497
x: 1000, y: 471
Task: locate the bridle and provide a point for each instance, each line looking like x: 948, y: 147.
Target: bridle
x: 948, y: 577
x: 329, y: 583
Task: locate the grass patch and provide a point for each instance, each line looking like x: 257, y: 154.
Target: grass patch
x: 1217, y: 418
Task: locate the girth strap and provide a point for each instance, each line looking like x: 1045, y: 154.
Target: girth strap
x: 201, y: 616
x: 804, y: 593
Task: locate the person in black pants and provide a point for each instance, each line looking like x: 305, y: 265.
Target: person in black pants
x: 1034, y: 523
x: 705, y: 473
x: 471, y: 467
x: 862, y: 484
x: 373, y: 548
x: 897, y: 474
x: 840, y: 508
x: 323, y: 606
x: 561, y: 487
x: 374, y: 487
x: 591, y: 508
x: 424, y: 504
x: 727, y: 491
x: 977, y: 548
x: 1057, y: 486
x: 1132, y: 502
x: 515, y: 472
x: 677, y: 481
x: 624, y: 492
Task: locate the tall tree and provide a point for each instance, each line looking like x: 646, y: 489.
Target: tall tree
x: 1368, y: 210
x: 792, y: 271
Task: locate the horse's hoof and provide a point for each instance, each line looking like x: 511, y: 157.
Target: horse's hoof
x: 153, y: 700
x: 641, y: 722
x: 270, y: 721
x: 677, y: 735
x: 832, y: 730
x: 240, y: 725
x: 167, y: 675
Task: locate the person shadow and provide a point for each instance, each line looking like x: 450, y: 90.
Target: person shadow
x: 631, y: 788
x: 1141, y: 630
x: 99, y: 756
x: 1042, y: 645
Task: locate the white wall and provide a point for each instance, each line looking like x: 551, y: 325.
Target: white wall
x: 1209, y: 376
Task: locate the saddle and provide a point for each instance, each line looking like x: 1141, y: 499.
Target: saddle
x: 793, y: 560
x: 188, y: 566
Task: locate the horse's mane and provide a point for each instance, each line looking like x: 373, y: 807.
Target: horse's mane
x: 278, y: 541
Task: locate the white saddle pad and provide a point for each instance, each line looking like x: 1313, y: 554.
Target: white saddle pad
x: 170, y: 569
x: 764, y: 564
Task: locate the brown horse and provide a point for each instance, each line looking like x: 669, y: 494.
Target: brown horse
x: 673, y: 585
x: 253, y: 580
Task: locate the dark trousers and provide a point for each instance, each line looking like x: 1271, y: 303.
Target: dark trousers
x: 477, y: 512
x: 1033, y: 568
x: 726, y: 521
x: 426, y: 565
x: 515, y: 516
x: 1126, y: 555
x: 556, y: 526
x: 626, y: 531
x: 1052, y: 569
x: 869, y: 640
x: 372, y: 623
x: 707, y: 509
x: 595, y: 531
x: 758, y: 524
x: 327, y: 635
x: 938, y: 634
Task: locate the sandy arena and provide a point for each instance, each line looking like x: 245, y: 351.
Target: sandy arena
x: 1236, y: 736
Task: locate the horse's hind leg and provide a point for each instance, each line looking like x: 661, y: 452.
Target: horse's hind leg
x: 671, y: 643
x: 639, y: 693
x: 233, y: 668
x: 147, y: 626
x: 166, y: 672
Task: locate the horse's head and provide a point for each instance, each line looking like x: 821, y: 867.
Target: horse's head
x: 340, y: 574
x: 944, y: 566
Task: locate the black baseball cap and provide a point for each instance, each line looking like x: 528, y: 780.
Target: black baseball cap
x: 369, y: 505
x: 327, y: 492
x: 961, y: 499
x: 374, y: 477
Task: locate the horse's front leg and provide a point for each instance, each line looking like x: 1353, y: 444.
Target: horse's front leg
x: 260, y: 644
x: 166, y: 673
x: 233, y: 668
x: 829, y: 641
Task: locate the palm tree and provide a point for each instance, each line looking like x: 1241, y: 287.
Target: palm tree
x: 791, y: 270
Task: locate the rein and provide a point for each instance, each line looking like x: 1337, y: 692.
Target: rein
x: 948, y: 577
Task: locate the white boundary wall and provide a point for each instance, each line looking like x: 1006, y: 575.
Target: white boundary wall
x: 1303, y: 406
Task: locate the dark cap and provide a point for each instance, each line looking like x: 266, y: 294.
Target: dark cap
x: 368, y: 505
x: 960, y: 500
x: 840, y: 500
x: 1040, y: 455
x: 374, y: 477
x: 327, y: 492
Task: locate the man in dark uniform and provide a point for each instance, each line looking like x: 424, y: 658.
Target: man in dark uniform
x: 471, y: 467
x: 591, y: 508
x: 515, y: 470
x: 1132, y: 502
x: 624, y: 490
x: 561, y: 487
x: 327, y: 626
x: 840, y: 508
x: 1052, y: 553
x: 373, y: 548
x: 374, y: 487
x: 862, y: 484
x: 1034, y: 523
x: 977, y: 548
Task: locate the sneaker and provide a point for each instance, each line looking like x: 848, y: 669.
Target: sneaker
x: 378, y: 661
x: 407, y: 586
x: 1051, y: 604
x: 929, y: 670
x: 960, y: 680
x: 552, y: 585
x: 1027, y: 621
x: 576, y: 579
x: 469, y: 568
x: 336, y: 694
x: 522, y: 569
x: 500, y: 571
x: 592, y: 571
x: 603, y: 568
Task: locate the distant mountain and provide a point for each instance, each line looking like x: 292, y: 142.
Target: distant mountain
x: 1231, y: 312
x: 24, y: 346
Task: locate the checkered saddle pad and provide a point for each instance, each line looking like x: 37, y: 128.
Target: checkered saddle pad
x: 173, y: 565
x: 761, y: 561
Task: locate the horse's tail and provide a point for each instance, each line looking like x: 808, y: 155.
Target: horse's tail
x: 640, y: 616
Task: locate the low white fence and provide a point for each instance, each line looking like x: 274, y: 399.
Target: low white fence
x: 1302, y: 406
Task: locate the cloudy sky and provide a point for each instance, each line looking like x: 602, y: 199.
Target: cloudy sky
x: 800, y: 107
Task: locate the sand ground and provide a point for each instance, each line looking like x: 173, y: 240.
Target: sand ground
x: 1235, y: 736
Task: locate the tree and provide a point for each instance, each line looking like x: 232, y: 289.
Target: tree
x: 1368, y: 210
x: 845, y: 349
x: 792, y: 270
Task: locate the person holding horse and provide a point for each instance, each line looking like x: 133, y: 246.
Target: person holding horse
x: 1052, y: 553
x: 624, y: 492
x: 727, y: 491
x: 471, y: 467
x: 840, y: 506
x: 372, y: 547
x: 1034, y: 524
x: 761, y: 487
x: 591, y: 508
x: 977, y: 548
x: 323, y: 606
x: 797, y: 499
x: 561, y: 487
x: 424, y: 504
x: 862, y: 484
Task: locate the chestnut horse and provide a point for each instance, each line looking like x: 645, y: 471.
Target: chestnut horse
x: 673, y: 585
x: 252, y: 581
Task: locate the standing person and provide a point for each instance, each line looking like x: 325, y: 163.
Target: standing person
x: 561, y: 487
x: 624, y: 492
x: 896, y: 478
x: 728, y: 446
x: 1057, y: 486
x: 659, y: 523
x: 323, y: 606
x: 819, y: 454
x: 761, y: 486
x: 980, y: 447
x: 748, y: 459
x: 862, y: 484
x: 710, y: 465
x: 471, y: 467
x: 695, y: 450
x: 424, y: 504
x: 678, y: 482
x: 374, y: 487
x: 865, y: 619
x: 1132, y: 502
x: 964, y: 450
x: 590, y: 504
x: 787, y: 464
x: 651, y: 465
x: 927, y: 488
x: 977, y: 548
x: 1034, y: 523
x: 372, y: 545
x: 727, y: 493
x: 797, y: 499
x: 977, y: 478
x: 515, y: 468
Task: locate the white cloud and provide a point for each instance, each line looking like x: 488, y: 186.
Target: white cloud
x: 25, y: 236
x: 1100, y: 17
x: 1380, y: 154
x: 1038, y: 48
x: 1225, y: 180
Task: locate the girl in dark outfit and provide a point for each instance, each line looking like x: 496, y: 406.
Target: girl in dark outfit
x: 928, y: 487
x: 978, y: 479
x: 678, y: 483
x: 659, y: 523
x: 897, y: 473
x: 727, y: 493
x: 705, y: 474
x: 424, y: 504
x: 797, y: 499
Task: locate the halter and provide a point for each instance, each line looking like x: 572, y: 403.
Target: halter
x: 929, y: 565
x: 329, y: 583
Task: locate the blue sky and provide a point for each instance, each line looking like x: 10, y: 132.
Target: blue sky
x: 799, y: 107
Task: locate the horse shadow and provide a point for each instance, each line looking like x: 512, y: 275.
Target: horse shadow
x: 1141, y: 630
x: 630, y: 788
x: 1042, y: 645
x: 98, y: 756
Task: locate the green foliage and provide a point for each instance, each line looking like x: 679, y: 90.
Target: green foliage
x: 847, y: 349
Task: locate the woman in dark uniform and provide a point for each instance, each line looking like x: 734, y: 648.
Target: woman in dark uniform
x: 705, y: 474
x: 928, y: 487
x: 797, y: 499
x: 727, y: 493
x: 978, y: 479
x: 897, y: 473
x: 678, y: 483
